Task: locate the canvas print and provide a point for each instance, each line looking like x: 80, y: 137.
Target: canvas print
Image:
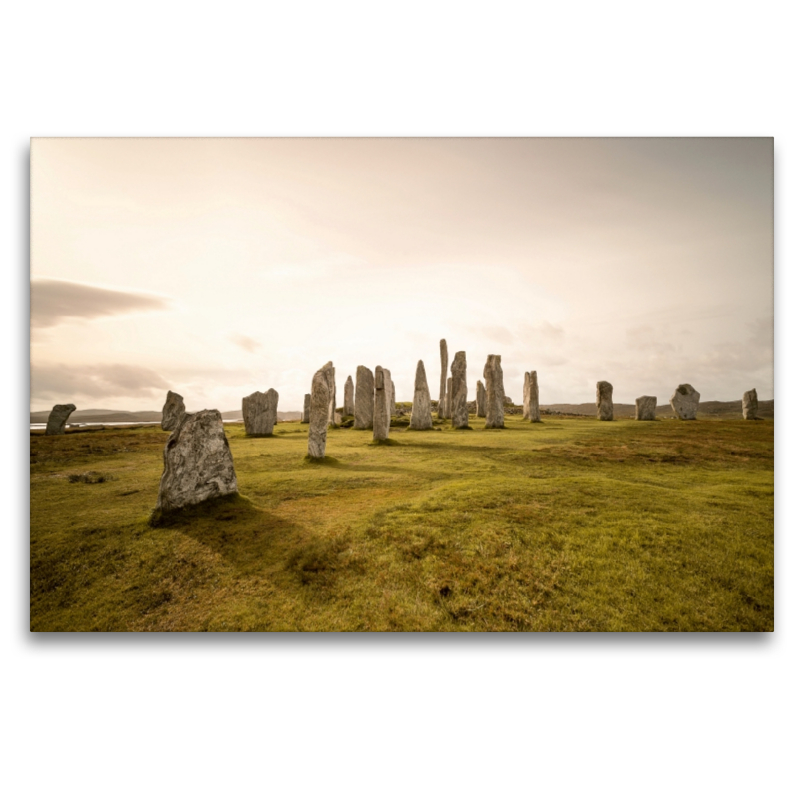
x: 401, y: 384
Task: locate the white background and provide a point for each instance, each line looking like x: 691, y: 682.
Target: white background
x: 396, y: 716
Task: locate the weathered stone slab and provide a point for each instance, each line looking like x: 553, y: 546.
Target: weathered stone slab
x: 381, y: 418
x: 173, y: 411
x: 393, y: 403
x: 260, y: 413
x: 349, y: 408
x: 530, y: 397
x: 646, y: 407
x: 57, y: 421
x: 685, y: 401
x: 480, y: 400
x: 421, y: 418
x: 458, y: 410
x: 306, y: 408
x: 495, y: 392
x: 440, y: 412
x: 365, y: 399
x: 750, y: 404
x: 318, y: 415
x: 605, y: 403
x: 448, y: 399
x: 198, y: 465
x: 330, y: 376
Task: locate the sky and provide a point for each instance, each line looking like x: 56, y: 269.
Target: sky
x: 218, y: 267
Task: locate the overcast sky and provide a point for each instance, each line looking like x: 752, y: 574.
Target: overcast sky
x: 217, y: 267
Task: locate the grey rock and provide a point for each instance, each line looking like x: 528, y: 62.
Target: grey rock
x: 605, y: 403
x: 458, y: 402
x: 381, y: 418
x: 173, y: 411
x: 365, y: 399
x: 530, y: 397
x: 198, y: 464
x: 260, y: 413
x: 306, y: 408
x: 685, y: 401
x: 330, y: 376
x: 421, y: 418
x: 57, y: 421
x: 318, y: 415
x: 392, y: 403
x: 440, y: 412
x: 480, y: 400
x: 750, y: 405
x: 646, y: 407
x: 495, y: 392
x: 448, y: 399
x: 349, y: 408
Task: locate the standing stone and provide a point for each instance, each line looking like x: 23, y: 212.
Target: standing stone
x: 685, y: 401
x: 458, y: 402
x: 173, y: 411
x: 365, y: 399
x: 349, y: 397
x: 330, y: 376
x: 381, y: 419
x: 605, y: 405
x: 480, y: 400
x: 440, y: 412
x: 421, y: 418
x: 306, y: 408
x: 57, y: 421
x: 530, y: 397
x: 318, y: 415
x: 646, y: 407
x: 260, y: 413
x: 393, y: 404
x: 495, y: 392
x: 198, y: 464
x: 750, y: 405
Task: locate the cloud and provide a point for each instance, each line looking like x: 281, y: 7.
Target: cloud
x: 245, y: 342
x: 96, y: 381
x: 54, y: 302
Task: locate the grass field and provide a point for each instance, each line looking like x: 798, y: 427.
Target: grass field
x: 570, y: 525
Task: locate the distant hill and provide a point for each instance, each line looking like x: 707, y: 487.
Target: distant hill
x: 102, y: 415
x: 711, y: 409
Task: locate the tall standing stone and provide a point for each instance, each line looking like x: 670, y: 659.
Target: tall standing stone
x: 365, y: 399
x: 349, y: 397
x: 57, y: 421
x: 480, y: 400
x: 458, y: 404
x: 198, y: 464
x: 381, y: 418
x: 530, y: 397
x: 750, y: 405
x: 448, y: 399
x: 495, y: 392
x: 173, y: 411
x: 318, y: 415
x: 421, y: 418
x: 393, y: 403
x: 646, y: 407
x: 306, y: 407
x: 260, y: 413
x: 605, y: 403
x: 330, y: 376
x: 440, y: 412
x: 685, y: 401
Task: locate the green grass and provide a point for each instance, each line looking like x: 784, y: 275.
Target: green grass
x: 569, y: 525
